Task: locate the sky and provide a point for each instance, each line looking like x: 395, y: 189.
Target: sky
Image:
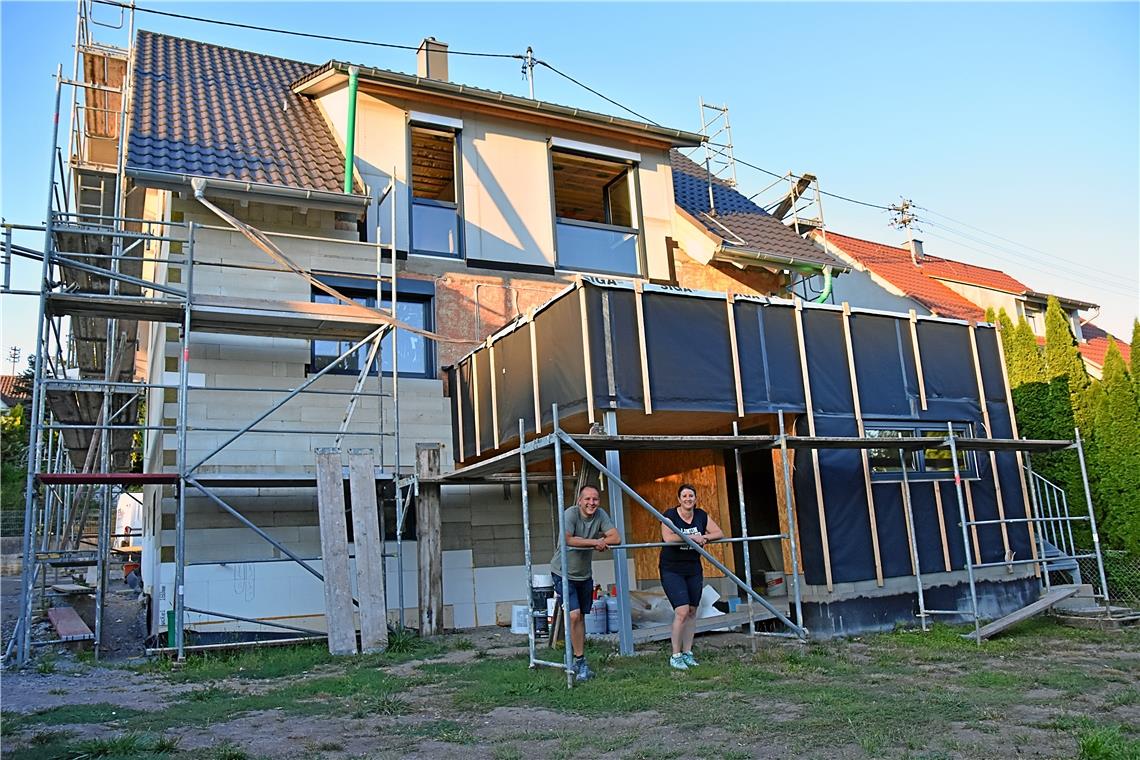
x: 1012, y: 127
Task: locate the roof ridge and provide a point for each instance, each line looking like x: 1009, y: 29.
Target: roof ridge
x: 231, y: 48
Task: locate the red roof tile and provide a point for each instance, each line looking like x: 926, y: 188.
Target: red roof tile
x: 8, y: 389
x: 894, y: 265
x: 1095, y: 345
x: 958, y: 271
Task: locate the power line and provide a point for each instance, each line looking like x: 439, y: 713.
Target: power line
x: 295, y: 33
x: 822, y: 192
x: 595, y: 92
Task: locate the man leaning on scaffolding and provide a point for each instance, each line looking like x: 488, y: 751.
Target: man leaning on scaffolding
x: 588, y: 530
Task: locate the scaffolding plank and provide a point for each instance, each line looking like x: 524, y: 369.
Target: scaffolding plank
x: 107, y: 478
x: 68, y: 625
x: 369, y: 551
x: 334, y: 553
x: 1025, y: 612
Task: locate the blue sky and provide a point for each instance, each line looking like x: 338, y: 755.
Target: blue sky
x: 1015, y: 119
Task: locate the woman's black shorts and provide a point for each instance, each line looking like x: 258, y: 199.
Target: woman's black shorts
x: 683, y: 588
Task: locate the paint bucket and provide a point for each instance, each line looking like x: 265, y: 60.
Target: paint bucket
x: 541, y: 589
x: 596, y: 618
x: 775, y: 584
x: 613, y: 620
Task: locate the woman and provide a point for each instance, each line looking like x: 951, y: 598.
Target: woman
x: 681, y: 572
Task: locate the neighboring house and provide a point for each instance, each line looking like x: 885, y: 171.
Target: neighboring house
x: 903, y: 278
x: 10, y: 396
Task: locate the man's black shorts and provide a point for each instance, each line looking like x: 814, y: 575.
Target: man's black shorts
x: 682, y: 588
x: 581, y: 593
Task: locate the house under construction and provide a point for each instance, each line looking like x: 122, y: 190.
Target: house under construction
x: 301, y: 283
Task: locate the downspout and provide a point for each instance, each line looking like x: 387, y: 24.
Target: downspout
x: 350, y: 136
x: 823, y: 296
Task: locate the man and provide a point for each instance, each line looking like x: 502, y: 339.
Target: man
x: 588, y: 530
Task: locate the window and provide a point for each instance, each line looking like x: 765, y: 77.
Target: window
x: 921, y: 464
x: 416, y: 357
x: 435, y: 195
x: 595, y: 205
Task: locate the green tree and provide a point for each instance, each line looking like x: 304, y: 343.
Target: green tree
x: 1134, y: 359
x: 1116, y: 454
x: 1063, y: 361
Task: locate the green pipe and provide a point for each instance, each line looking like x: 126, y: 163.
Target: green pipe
x: 350, y: 137
x: 826, y: 286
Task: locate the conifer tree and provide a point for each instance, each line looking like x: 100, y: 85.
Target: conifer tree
x: 1134, y: 366
x: 1063, y: 362
x: 1116, y: 455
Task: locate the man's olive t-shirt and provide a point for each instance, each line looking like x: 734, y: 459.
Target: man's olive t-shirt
x: 579, y: 562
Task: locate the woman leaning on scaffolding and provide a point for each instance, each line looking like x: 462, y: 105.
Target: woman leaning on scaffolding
x: 681, y: 573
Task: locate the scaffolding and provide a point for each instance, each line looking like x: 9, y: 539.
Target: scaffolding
x: 104, y: 273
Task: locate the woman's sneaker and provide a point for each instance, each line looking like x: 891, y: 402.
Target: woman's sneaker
x: 677, y: 662
x: 690, y: 661
x: 582, y: 671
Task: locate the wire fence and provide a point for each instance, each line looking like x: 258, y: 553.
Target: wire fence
x: 1121, y: 571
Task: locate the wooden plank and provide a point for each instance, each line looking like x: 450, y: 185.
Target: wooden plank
x: 458, y: 409
x: 732, y: 621
x: 68, y: 625
x: 475, y: 395
x: 429, y: 552
x: 989, y: 434
x: 641, y: 346
x: 1026, y: 612
x: 917, y: 358
x: 369, y: 551
x: 973, y: 528
x: 72, y: 588
x: 1030, y: 526
x: 494, y: 392
x: 942, y: 525
x: 863, y: 452
x: 814, y: 452
x: 534, y: 374
x: 735, y: 354
x: 334, y: 553
x: 588, y: 369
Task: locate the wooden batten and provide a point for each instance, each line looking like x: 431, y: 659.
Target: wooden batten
x: 863, y: 452
x: 458, y: 390
x: 942, y: 526
x: 475, y: 396
x: 1020, y: 459
x: 494, y: 393
x: 534, y: 374
x: 814, y: 452
x: 587, y: 365
x: 735, y: 354
x: 970, y: 516
x: 917, y: 358
x: 989, y: 434
x: 641, y: 346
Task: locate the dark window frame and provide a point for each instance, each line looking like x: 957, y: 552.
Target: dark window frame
x: 456, y: 205
x: 920, y: 465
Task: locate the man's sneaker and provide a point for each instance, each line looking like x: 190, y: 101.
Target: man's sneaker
x: 689, y: 659
x: 677, y: 662
x: 582, y: 671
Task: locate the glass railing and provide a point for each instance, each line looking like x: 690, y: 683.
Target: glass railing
x: 590, y: 247
x: 435, y: 227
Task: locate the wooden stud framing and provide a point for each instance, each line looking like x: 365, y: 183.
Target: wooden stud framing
x: 641, y: 345
x: 917, y: 358
x: 1020, y: 458
x: 942, y: 526
x: 989, y: 434
x: 973, y: 528
x: 814, y: 452
x: 863, y: 452
x: 729, y: 301
x: 475, y: 395
x: 534, y: 373
x: 587, y: 366
x: 494, y: 394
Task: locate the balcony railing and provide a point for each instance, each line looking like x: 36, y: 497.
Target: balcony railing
x: 435, y: 227
x: 602, y: 248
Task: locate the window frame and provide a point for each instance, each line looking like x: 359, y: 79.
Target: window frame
x: 918, y: 468
x: 407, y: 291
x: 454, y: 128
x: 632, y: 164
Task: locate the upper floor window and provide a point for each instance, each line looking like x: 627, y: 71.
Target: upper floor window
x: 921, y: 464
x: 596, y: 210
x: 413, y: 307
x: 435, y: 194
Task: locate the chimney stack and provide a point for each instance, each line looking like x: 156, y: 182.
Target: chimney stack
x: 914, y: 245
x: 431, y: 59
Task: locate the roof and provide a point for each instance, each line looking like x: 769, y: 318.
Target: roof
x: 739, y: 222
x: 8, y: 391
x: 1095, y: 345
x: 970, y: 274
x: 315, y: 81
x: 209, y: 111
x: 895, y: 266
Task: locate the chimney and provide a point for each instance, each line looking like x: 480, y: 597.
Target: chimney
x: 915, y: 247
x: 431, y: 59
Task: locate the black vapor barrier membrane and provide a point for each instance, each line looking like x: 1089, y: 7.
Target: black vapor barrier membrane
x: 690, y: 354
x: 466, y: 404
x: 617, y: 371
x: 561, y: 370
x: 827, y: 364
x: 947, y: 361
x: 781, y: 346
x: 514, y: 378
x: 481, y: 381
x: 882, y: 350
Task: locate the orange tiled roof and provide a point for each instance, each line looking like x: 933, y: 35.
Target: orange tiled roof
x: 894, y: 265
x: 1095, y: 345
x: 8, y: 389
x: 971, y: 274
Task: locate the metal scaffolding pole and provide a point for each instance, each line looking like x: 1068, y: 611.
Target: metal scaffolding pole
x: 964, y: 522
x: 912, y: 540
x: 744, y: 535
x: 791, y: 518
x: 1092, y: 519
x: 568, y: 654
x: 621, y: 568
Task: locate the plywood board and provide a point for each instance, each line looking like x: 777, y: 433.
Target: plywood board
x: 656, y: 477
